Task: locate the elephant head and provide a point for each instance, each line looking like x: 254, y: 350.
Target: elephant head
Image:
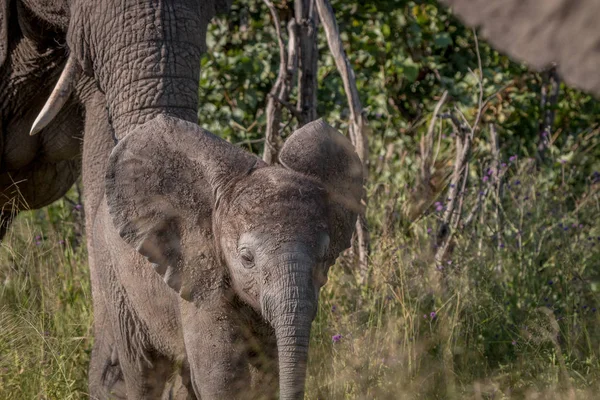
x: 191, y: 202
x: 541, y: 32
x: 142, y: 54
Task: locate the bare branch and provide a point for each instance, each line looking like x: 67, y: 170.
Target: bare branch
x: 280, y: 92
x: 497, y: 185
x: 480, y: 84
x: 548, y: 104
x: 464, y: 139
x: 427, y: 142
x: 289, y: 106
x: 306, y: 31
x: 358, y: 124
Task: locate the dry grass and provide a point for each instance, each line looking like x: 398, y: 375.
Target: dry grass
x: 516, y: 322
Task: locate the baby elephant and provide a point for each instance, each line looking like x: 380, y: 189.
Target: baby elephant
x: 210, y: 262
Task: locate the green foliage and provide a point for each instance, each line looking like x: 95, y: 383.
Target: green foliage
x: 405, y: 53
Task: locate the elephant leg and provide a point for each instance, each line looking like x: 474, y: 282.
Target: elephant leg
x: 145, y: 370
x: 180, y: 387
x: 264, y: 369
x: 216, y: 352
x: 147, y: 378
x: 105, y: 376
x: 265, y: 383
x: 105, y: 379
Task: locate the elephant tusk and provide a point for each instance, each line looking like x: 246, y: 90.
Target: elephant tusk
x: 63, y: 89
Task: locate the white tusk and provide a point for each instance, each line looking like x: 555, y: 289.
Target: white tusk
x: 63, y: 89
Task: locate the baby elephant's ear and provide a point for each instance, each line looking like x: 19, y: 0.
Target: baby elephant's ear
x: 161, y: 184
x: 321, y: 152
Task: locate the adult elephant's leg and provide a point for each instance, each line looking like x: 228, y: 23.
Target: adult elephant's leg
x: 105, y: 378
x: 112, y: 374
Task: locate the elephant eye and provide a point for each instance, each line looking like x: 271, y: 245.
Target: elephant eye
x: 247, y: 258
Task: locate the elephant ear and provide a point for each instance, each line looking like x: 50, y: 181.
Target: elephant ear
x: 321, y: 152
x: 3, y: 31
x: 540, y: 32
x: 161, y: 184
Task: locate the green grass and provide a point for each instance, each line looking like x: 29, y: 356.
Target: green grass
x: 517, y: 321
x: 45, y: 307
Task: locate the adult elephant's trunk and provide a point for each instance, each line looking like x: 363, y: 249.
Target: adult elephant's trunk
x: 144, y: 55
x: 291, y: 307
x: 147, y: 62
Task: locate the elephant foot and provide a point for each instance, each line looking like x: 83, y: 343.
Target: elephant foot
x: 106, y: 377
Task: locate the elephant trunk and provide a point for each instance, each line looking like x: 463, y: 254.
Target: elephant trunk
x: 292, y: 346
x: 149, y: 65
x: 291, y: 308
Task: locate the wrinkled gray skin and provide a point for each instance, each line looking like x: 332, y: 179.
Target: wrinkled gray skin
x: 140, y: 59
x: 231, y: 254
x: 541, y: 32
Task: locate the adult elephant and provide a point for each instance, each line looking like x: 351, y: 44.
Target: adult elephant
x: 89, y: 70
x: 123, y: 62
x: 542, y: 32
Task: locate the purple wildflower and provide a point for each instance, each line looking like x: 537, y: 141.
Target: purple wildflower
x: 336, y: 338
x: 486, y: 178
x: 512, y: 158
x: 432, y: 314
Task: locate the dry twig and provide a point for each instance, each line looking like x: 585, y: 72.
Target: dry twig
x: 280, y: 93
x: 464, y: 138
x: 358, y: 122
x: 306, y: 31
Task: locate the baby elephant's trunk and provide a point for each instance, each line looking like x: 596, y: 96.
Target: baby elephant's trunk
x: 290, y: 306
